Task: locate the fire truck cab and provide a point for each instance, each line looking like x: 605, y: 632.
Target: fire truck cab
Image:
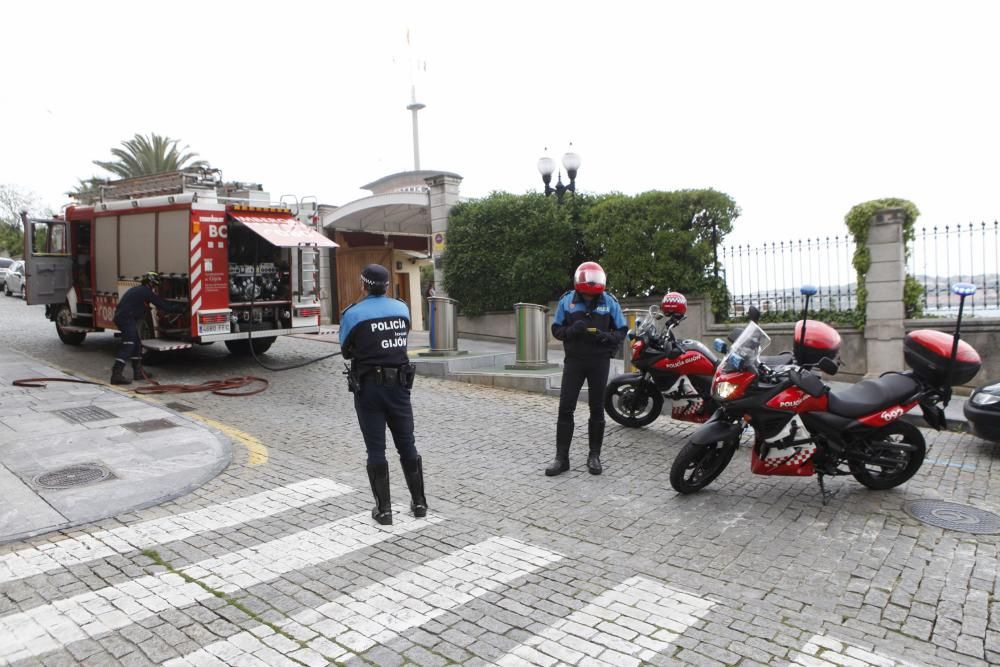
x: 246, y: 270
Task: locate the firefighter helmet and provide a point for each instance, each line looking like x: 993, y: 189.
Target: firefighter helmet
x: 674, y: 303
x: 151, y: 278
x: 589, y: 278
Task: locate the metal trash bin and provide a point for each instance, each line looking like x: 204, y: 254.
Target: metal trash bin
x: 631, y: 317
x: 532, y: 336
x: 443, y: 319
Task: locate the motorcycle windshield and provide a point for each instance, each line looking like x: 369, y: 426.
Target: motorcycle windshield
x: 744, y: 355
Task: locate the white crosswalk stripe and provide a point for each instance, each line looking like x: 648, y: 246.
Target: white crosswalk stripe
x: 84, y: 548
x: 385, y: 609
x: 823, y: 651
x: 48, y: 627
x: 631, y: 623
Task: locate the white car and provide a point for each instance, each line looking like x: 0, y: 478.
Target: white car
x: 13, y: 280
x: 5, y: 264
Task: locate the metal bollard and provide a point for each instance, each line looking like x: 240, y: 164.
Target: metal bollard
x: 443, y: 324
x: 532, y: 350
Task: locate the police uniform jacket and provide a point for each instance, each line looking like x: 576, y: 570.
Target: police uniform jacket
x: 373, y: 332
x: 132, y: 305
x: 602, y: 313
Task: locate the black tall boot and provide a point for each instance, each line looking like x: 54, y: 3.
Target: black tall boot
x: 117, y: 377
x: 413, y: 471
x: 378, y: 475
x: 595, y: 433
x: 138, y: 372
x: 564, y: 436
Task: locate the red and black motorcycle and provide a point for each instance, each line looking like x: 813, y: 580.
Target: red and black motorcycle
x: 802, y: 428
x: 680, y: 370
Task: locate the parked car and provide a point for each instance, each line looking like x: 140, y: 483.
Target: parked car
x: 13, y: 282
x: 5, y: 264
x: 983, y: 411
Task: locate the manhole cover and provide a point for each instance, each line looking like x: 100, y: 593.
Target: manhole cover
x: 150, y: 425
x: 180, y: 407
x: 89, y: 413
x: 71, y: 476
x: 953, y: 516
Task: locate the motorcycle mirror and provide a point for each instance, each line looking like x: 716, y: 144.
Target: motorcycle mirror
x: 654, y: 310
x: 808, y: 290
x: 963, y: 289
x: 828, y: 366
x: 720, y: 346
x: 753, y: 314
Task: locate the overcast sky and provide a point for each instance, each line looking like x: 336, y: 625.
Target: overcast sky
x: 799, y: 110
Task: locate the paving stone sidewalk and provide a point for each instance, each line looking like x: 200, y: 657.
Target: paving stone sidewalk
x: 73, y: 453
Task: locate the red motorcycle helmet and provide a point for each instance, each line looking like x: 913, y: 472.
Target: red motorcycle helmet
x: 589, y: 278
x: 674, y: 303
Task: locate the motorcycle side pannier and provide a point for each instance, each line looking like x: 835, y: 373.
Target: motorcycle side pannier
x: 928, y: 353
x: 822, y: 340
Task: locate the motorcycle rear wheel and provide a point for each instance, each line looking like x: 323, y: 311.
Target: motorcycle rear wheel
x: 697, y: 466
x: 633, y: 404
x: 879, y: 476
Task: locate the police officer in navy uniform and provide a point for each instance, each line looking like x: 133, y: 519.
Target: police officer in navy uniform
x: 130, y: 311
x: 373, y: 334
x: 590, y: 323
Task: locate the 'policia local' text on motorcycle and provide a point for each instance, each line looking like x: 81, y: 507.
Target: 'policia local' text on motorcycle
x: 666, y: 368
x: 802, y: 428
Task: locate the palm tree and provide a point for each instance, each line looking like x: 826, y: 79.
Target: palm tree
x: 147, y: 156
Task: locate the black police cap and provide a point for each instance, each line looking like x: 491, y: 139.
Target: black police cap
x: 375, y: 275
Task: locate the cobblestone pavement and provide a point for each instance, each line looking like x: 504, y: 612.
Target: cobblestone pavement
x: 277, y: 561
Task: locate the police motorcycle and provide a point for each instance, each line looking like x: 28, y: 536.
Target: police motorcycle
x: 803, y: 428
x: 667, y: 368
x: 679, y: 370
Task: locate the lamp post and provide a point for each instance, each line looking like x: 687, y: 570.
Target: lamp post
x: 570, y: 162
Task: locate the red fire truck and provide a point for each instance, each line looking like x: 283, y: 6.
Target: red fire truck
x: 247, y: 270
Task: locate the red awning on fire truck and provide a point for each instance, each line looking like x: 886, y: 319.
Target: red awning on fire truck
x: 284, y: 231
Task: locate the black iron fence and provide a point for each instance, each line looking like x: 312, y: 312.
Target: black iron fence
x: 769, y: 275
x: 941, y: 255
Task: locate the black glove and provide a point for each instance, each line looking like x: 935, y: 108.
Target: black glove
x: 577, y: 329
x: 607, y: 338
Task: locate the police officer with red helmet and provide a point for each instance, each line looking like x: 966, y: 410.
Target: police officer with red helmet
x: 591, y: 325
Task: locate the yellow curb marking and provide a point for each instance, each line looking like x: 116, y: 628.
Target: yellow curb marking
x: 255, y: 448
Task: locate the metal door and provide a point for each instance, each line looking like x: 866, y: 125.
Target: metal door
x: 48, y: 265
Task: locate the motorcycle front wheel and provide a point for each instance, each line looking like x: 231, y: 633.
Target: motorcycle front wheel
x: 881, y: 466
x: 633, y: 403
x: 697, y: 466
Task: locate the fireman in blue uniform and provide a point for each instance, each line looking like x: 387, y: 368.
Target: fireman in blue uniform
x: 590, y: 323
x: 131, y: 309
x: 373, y: 335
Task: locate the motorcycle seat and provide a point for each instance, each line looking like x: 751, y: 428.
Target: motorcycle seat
x: 780, y: 359
x: 868, y: 396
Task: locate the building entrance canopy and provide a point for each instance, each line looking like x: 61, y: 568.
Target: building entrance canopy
x: 403, y: 213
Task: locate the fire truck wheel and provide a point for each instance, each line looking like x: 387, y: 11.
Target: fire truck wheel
x: 64, y: 318
x: 241, y: 347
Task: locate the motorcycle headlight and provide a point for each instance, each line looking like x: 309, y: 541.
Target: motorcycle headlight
x: 724, y: 390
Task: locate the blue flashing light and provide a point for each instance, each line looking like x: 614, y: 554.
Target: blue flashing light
x: 963, y: 289
x: 808, y: 290
x: 719, y: 345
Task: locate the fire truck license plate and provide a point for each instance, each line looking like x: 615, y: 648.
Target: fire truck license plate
x: 208, y: 329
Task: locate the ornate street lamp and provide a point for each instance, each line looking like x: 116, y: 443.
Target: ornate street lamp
x: 571, y: 163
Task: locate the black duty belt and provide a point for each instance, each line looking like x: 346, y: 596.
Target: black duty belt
x: 389, y: 376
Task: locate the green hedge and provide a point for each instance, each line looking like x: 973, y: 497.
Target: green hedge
x: 507, y: 248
